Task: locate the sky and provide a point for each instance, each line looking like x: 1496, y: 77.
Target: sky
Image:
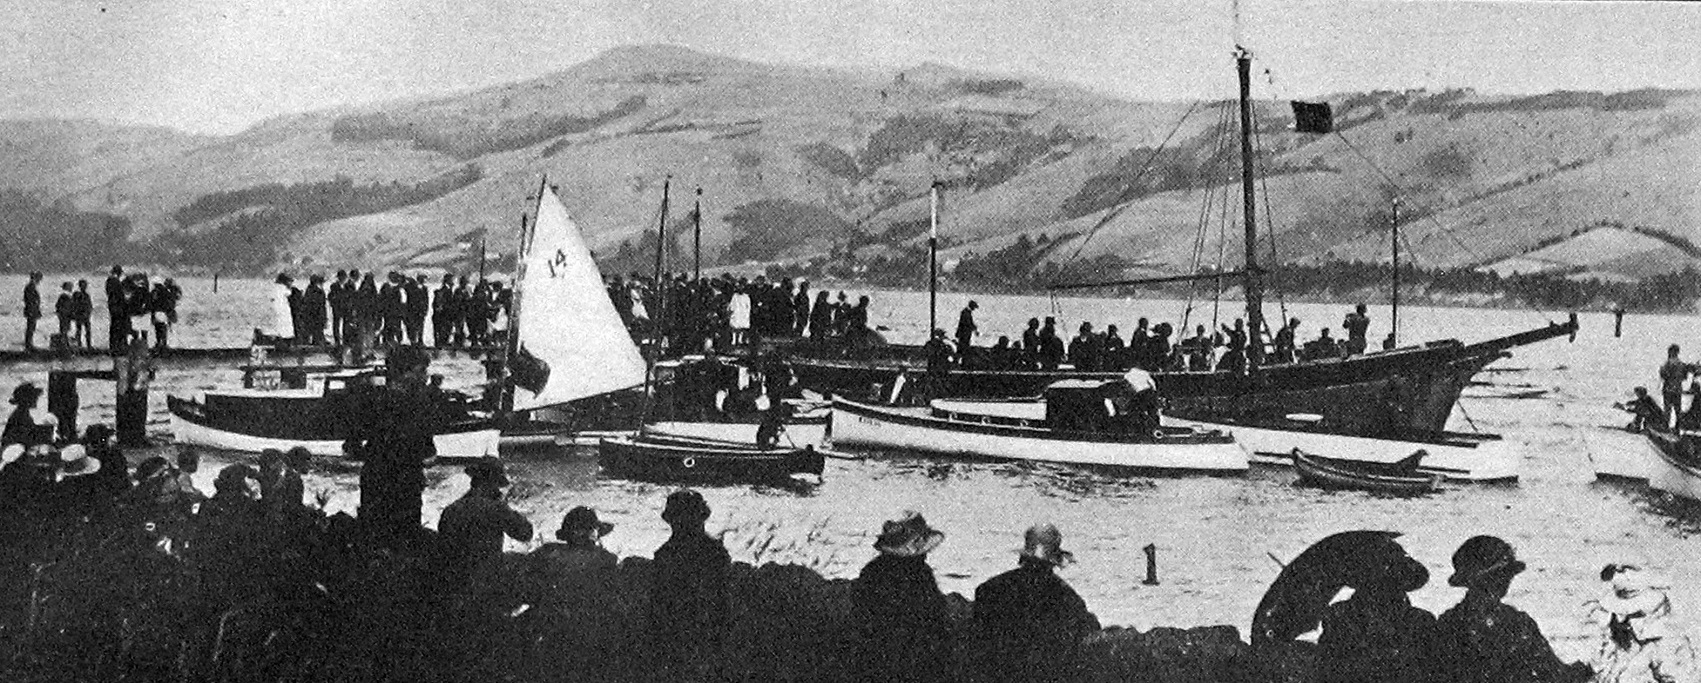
x: 218, y: 66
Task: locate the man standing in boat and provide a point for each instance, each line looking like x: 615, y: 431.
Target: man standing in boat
x: 1285, y: 349
x: 1672, y: 374
x: 1357, y: 324
x: 966, y: 329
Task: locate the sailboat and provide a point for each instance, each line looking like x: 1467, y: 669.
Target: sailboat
x: 1398, y: 399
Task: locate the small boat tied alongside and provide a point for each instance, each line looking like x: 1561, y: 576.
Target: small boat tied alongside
x: 1398, y: 478
x: 1105, y: 424
x: 650, y: 456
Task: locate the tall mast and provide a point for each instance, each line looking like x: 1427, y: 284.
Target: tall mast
x: 697, y: 237
x: 1252, y: 276
x: 506, y: 402
x: 661, y: 252
x: 933, y: 260
x: 1394, y: 329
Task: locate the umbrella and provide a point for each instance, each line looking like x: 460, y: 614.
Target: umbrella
x: 1301, y: 593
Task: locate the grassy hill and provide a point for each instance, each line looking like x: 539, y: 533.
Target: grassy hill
x: 798, y: 163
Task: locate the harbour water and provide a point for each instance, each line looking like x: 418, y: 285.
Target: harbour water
x: 1217, y: 539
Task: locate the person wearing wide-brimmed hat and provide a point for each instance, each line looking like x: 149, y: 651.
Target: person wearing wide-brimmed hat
x: 471, y: 529
x: 1484, y: 639
x: 689, y: 602
x: 23, y: 428
x: 1030, y: 621
x: 1377, y: 636
x: 899, y: 613
x: 1639, y: 641
x: 578, y: 544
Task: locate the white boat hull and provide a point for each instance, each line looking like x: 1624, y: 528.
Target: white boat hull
x: 472, y: 444
x: 1618, y: 454
x: 1667, y: 474
x: 1477, y: 460
x: 914, y: 429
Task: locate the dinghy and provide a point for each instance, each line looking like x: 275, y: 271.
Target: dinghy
x: 1676, y: 465
x: 1402, y: 478
x: 656, y: 457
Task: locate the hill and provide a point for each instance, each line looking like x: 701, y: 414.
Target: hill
x: 801, y: 163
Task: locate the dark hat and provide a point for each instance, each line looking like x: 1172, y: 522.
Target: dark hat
x: 298, y: 457
x: 234, y: 477
x: 152, y: 467
x: 487, y: 470
x: 25, y: 393
x: 908, y: 536
x: 1044, y: 542
x: 685, y: 505
x: 1482, y: 557
x: 579, y: 519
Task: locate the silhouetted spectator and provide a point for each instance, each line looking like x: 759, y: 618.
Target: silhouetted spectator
x: 313, y: 302
x: 84, y: 308
x: 118, y: 334
x: 1484, y: 640
x: 65, y: 309
x: 1357, y: 325
x: 24, y: 428
x: 392, y: 433
x: 162, y: 310
x: 800, y: 311
x: 32, y: 310
x: 1030, y: 621
x: 899, y: 614
x: 470, y: 529
x: 1377, y: 636
x: 689, y: 612
x: 1051, y: 351
x: 966, y: 329
x: 443, y: 313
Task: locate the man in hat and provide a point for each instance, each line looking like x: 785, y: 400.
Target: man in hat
x: 1672, y: 374
x: 1644, y: 411
x: 966, y: 329
x: 689, y: 609
x: 32, y: 310
x: 1030, y: 621
x: 393, y: 434
x: 578, y: 545
x: 1484, y: 640
x: 1377, y: 636
x: 570, y: 582
x: 902, y: 629
x: 471, y: 529
x: 21, y: 427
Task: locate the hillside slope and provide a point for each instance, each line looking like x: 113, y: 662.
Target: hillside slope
x: 798, y: 162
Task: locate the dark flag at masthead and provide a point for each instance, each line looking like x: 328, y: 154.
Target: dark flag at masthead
x: 1312, y: 117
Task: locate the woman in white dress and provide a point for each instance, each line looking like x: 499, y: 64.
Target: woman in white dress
x: 283, y: 319
x: 738, y: 316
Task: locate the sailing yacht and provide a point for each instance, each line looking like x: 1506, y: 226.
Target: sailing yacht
x: 1377, y: 406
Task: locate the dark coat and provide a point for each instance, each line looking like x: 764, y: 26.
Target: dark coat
x: 689, y: 602
x: 1376, y: 637
x: 902, y: 628
x: 1482, y: 640
x: 1030, y: 624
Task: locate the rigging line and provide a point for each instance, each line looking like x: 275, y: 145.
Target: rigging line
x: 1203, y: 223
x: 1117, y: 211
x: 1477, y: 257
x: 1273, y: 271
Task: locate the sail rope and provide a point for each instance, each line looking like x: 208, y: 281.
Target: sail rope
x: 1430, y: 217
x: 1271, y: 283
x: 1144, y: 169
x: 1203, y: 224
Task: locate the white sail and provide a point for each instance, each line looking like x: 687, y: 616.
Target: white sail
x: 572, y: 343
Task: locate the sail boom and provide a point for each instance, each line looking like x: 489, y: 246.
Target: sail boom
x: 1148, y: 280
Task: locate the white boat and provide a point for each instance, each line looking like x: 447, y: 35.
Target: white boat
x: 1169, y: 450
x: 1453, y: 455
x: 1618, y: 453
x: 1676, y: 465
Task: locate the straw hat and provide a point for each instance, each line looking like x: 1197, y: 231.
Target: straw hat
x: 908, y: 536
x: 1483, y: 557
x: 74, y: 461
x: 1044, y: 542
x: 11, y: 453
x: 1636, y: 597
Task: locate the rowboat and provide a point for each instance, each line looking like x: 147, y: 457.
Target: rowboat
x: 1401, y: 479
x: 652, y: 457
x: 1164, y: 450
x: 1456, y: 456
x: 1676, y: 465
x: 1616, y: 453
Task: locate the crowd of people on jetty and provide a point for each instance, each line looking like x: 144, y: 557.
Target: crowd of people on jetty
x: 727, y: 311
x: 135, y: 303
x: 354, y: 309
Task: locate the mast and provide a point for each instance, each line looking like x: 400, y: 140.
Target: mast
x: 506, y: 402
x: 1251, y: 273
x: 933, y: 260
x: 661, y: 252
x: 697, y: 237
x: 1394, y: 226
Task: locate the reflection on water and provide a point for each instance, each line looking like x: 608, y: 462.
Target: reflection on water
x: 1215, y: 536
